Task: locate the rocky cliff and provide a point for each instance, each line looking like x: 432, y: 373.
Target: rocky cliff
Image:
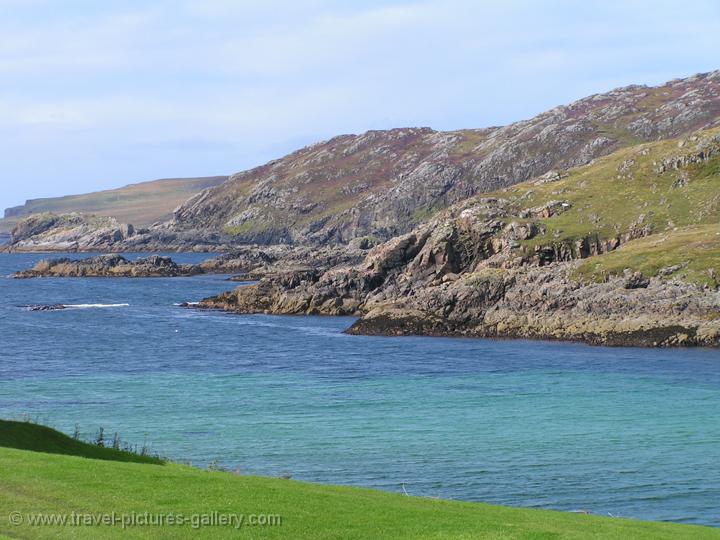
x: 625, y: 251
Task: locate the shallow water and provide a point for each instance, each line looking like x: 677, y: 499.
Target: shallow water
x: 632, y: 432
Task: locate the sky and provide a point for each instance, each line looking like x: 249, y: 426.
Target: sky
x: 96, y: 95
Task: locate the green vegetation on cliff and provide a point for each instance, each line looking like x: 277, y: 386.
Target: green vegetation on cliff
x: 690, y: 254
x: 660, y: 201
x: 35, y: 483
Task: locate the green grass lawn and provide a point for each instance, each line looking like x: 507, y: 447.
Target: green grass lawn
x: 33, y: 482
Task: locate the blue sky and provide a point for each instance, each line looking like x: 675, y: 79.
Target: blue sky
x: 95, y: 95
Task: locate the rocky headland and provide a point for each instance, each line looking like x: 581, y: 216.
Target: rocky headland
x: 419, y: 285
x: 598, y: 221
x: 625, y: 251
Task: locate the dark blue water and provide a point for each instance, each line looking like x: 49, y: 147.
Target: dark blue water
x: 633, y: 432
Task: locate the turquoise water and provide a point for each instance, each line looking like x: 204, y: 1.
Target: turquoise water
x: 631, y: 432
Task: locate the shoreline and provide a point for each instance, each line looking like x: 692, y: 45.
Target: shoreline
x: 69, y: 468
x: 500, y: 305
x: 617, y: 342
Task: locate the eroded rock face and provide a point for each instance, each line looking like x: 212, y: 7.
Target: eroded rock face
x: 546, y: 303
x: 527, y: 302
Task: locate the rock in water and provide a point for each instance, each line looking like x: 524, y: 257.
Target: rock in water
x: 109, y: 266
x: 45, y: 307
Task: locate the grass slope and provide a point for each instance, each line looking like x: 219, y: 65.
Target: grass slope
x: 28, y: 436
x: 690, y: 254
x: 140, y: 204
x: 627, y: 191
x: 34, y: 482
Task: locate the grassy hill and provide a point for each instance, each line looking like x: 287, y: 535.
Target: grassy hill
x: 140, y: 204
x: 33, y: 482
x: 664, y: 194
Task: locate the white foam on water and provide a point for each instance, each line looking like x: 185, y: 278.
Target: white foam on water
x: 88, y: 306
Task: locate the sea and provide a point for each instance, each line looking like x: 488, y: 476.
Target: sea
x: 626, y: 432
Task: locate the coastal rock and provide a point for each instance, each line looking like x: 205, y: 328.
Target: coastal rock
x: 478, y: 270
x: 68, y: 232
x: 45, y: 307
x: 283, y: 263
x: 109, y: 266
x: 527, y: 302
x: 635, y: 280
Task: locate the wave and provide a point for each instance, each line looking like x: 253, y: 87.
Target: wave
x: 88, y: 306
x: 57, y: 307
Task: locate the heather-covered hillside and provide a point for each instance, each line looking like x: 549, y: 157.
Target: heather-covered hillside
x: 383, y: 183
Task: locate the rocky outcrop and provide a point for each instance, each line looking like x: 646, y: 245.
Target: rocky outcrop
x: 423, y: 297
x: 487, y: 267
x: 548, y: 303
x: 254, y: 262
x: 705, y: 148
x: 46, y: 307
x: 247, y: 263
x: 69, y: 232
x: 109, y: 266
